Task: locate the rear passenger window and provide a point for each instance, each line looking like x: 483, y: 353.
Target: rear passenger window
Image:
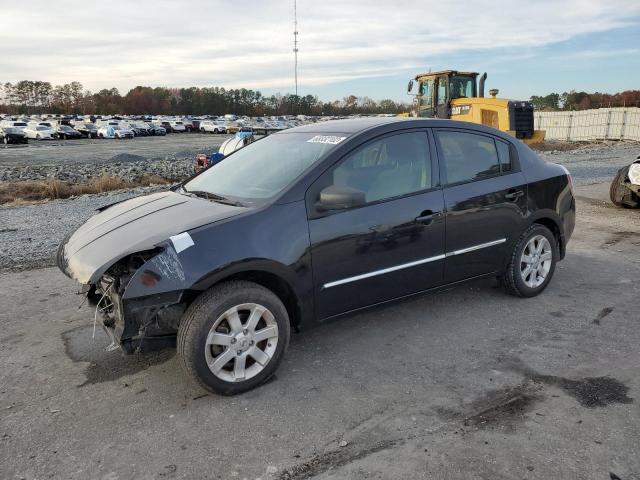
x: 468, y: 156
x: 504, y: 155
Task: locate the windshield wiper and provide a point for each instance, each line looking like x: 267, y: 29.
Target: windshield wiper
x: 213, y: 196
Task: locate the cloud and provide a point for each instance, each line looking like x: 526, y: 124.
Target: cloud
x: 249, y: 44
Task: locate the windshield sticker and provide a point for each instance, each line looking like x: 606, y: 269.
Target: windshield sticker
x: 330, y: 139
x: 182, y: 241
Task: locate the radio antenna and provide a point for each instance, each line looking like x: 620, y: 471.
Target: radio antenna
x: 295, y: 42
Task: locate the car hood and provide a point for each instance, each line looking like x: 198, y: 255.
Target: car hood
x: 132, y: 226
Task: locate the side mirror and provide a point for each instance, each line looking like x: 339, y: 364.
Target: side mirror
x: 410, y: 87
x: 338, y: 197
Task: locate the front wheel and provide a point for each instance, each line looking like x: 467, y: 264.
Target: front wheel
x: 533, y: 262
x: 233, y: 337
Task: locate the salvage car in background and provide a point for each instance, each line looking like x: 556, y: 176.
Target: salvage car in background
x: 157, y: 130
x: 40, y: 132
x: 65, y: 132
x: 87, y: 129
x: 14, y: 123
x: 140, y: 129
x: 625, y: 187
x: 115, y: 131
x: 212, y: 126
x: 12, y: 135
x: 177, y: 126
x: 231, y: 261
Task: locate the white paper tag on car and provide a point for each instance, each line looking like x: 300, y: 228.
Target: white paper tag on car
x: 330, y: 139
x: 182, y: 241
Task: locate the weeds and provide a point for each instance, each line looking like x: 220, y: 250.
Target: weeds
x: 33, y: 191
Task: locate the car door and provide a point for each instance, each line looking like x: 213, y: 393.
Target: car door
x: 393, y: 244
x: 485, y: 197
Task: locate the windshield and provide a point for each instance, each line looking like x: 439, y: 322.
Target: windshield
x: 462, y: 87
x: 64, y: 128
x: 264, y: 168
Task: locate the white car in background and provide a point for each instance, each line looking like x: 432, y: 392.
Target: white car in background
x: 115, y: 131
x: 40, y: 132
x: 14, y: 124
x: 177, y: 126
x: 212, y: 126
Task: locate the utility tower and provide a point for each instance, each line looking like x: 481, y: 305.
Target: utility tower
x: 295, y: 42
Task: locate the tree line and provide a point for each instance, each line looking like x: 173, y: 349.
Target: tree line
x: 583, y: 101
x: 27, y: 96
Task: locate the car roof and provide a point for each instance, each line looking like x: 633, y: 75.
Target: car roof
x: 358, y: 125
x: 352, y: 125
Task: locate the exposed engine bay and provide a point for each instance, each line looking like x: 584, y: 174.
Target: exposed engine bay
x: 135, y: 324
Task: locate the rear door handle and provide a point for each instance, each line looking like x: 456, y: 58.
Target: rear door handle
x: 513, y: 194
x: 427, y: 216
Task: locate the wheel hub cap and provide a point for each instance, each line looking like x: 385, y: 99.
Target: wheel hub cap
x: 241, y: 342
x: 535, y: 261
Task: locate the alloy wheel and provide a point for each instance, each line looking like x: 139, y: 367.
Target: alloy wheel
x: 535, y: 261
x: 241, y: 342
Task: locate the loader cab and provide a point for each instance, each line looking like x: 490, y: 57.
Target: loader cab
x: 436, y: 90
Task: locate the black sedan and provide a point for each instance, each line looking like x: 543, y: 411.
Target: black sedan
x: 343, y: 215
x: 157, y: 130
x: 66, y: 132
x: 12, y: 135
x: 88, y: 130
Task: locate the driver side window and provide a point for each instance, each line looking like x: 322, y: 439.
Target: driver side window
x: 386, y: 168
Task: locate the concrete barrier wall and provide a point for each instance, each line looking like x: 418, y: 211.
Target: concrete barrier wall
x: 584, y: 125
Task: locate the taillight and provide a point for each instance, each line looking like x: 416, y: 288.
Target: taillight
x: 569, y: 177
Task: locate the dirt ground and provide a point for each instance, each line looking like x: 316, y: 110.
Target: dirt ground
x: 465, y: 384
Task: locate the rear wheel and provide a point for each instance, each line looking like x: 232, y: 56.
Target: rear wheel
x: 233, y: 337
x: 532, y: 263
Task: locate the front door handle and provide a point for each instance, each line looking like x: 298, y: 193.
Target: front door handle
x: 513, y: 194
x: 427, y: 217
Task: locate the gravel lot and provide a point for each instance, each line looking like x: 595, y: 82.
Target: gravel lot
x: 464, y: 384
x: 171, y: 157
x: 29, y: 235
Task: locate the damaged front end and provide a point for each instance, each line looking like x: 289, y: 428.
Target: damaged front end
x: 138, y: 323
x: 125, y: 258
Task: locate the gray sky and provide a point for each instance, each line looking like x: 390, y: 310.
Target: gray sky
x: 343, y: 45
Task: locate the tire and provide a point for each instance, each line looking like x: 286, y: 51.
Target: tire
x: 620, y: 195
x: 614, y: 190
x: 516, y: 281
x: 211, y: 311
x: 5, y: 140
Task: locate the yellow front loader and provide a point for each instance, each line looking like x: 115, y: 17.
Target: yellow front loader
x: 459, y: 96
